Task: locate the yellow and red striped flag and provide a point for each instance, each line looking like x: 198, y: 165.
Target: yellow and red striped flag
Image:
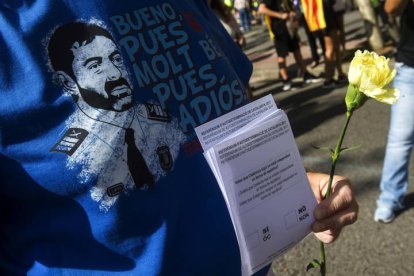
x: 313, y: 11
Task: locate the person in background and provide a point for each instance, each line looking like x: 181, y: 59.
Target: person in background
x: 321, y: 17
x: 311, y: 36
x: 242, y: 7
x: 284, y: 24
x: 226, y: 18
x: 378, y: 6
x: 389, y: 22
x: 256, y: 16
x: 333, y: 50
x: 339, y: 11
x: 395, y: 176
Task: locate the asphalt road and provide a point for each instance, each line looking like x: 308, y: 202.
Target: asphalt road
x: 317, y: 116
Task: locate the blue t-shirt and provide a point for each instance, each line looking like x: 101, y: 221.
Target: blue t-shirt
x: 100, y: 168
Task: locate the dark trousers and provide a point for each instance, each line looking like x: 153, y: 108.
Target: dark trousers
x: 312, y: 36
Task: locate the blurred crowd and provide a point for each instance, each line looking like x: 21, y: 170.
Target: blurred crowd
x: 323, y: 23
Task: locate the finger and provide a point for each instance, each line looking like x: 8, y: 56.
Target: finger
x: 336, y: 180
x: 337, y: 221
x: 317, y: 182
x: 328, y: 236
x: 340, y: 199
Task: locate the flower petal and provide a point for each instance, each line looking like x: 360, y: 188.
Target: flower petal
x: 384, y: 95
x: 371, y: 74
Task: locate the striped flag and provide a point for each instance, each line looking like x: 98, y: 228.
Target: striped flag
x: 313, y: 11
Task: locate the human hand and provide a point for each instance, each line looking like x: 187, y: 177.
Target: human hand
x: 284, y: 16
x: 336, y: 211
x: 292, y: 14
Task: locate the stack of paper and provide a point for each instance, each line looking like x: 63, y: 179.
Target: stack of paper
x: 255, y: 160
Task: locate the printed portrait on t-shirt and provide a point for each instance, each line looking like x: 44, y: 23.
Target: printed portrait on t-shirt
x: 113, y: 141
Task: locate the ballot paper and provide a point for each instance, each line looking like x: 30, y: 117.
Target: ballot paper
x: 254, y: 157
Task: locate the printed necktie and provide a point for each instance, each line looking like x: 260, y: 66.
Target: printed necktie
x: 136, y: 163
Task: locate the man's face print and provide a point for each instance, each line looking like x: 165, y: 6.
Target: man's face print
x: 101, y: 75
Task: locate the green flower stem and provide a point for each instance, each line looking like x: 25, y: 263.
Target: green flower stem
x: 335, y: 157
x: 337, y: 152
x: 322, y: 268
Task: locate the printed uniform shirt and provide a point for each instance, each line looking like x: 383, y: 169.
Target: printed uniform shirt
x: 100, y: 168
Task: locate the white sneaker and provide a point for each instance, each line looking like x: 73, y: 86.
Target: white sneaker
x: 384, y: 214
x: 287, y: 85
x: 309, y: 78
